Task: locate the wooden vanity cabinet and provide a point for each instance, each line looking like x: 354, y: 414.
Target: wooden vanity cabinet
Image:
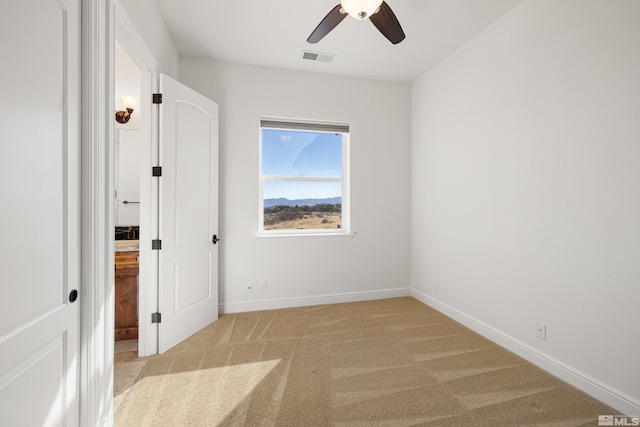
x: 126, y: 295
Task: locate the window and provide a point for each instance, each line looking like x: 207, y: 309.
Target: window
x: 303, y: 177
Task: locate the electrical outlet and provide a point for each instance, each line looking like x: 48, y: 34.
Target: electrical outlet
x: 541, y: 331
x: 250, y: 287
x: 263, y: 286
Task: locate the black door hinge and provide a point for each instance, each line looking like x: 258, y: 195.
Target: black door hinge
x: 157, y: 98
x: 156, y: 171
x: 156, y: 244
x: 156, y: 318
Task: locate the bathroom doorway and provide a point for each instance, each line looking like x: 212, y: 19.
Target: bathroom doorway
x: 135, y: 197
x: 126, y: 203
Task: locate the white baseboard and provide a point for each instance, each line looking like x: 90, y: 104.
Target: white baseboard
x: 618, y: 400
x: 273, y: 304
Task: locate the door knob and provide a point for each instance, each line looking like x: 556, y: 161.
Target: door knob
x: 73, y: 296
x: 215, y: 239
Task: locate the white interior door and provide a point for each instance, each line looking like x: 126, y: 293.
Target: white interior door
x: 188, y: 282
x: 39, y: 212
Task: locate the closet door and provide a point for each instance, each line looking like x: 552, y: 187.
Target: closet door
x: 40, y: 212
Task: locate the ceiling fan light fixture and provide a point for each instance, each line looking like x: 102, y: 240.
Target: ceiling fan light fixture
x: 377, y: 11
x: 360, y: 9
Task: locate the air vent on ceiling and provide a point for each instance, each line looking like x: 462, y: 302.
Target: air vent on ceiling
x: 316, y: 56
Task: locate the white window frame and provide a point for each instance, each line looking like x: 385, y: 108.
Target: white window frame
x: 344, y: 232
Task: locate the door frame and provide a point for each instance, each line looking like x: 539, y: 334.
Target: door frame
x: 133, y: 44
x: 96, y: 353
x: 96, y: 295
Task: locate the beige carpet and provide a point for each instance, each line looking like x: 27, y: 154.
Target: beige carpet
x: 393, y: 362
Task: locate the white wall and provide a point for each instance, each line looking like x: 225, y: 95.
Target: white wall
x: 525, y: 188
x: 376, y: 261
x: 127, y: 177
x: 145, y: 16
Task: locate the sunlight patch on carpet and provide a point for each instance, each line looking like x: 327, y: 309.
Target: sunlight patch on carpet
x: 213, y: 393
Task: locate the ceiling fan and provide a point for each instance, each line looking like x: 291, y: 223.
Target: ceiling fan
x: 378, y: 12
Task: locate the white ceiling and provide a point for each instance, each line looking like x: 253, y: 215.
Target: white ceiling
x: 274, y: 32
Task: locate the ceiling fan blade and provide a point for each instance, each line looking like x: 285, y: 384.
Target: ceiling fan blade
x: 387, y: 23
x: 325, y: 26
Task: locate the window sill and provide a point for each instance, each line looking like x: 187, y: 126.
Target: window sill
x: 299, y: 237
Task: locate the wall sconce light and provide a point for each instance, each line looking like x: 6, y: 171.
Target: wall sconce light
x: 129, y: 103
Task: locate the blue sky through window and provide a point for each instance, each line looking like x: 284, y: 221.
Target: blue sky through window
x: 290, y: 153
